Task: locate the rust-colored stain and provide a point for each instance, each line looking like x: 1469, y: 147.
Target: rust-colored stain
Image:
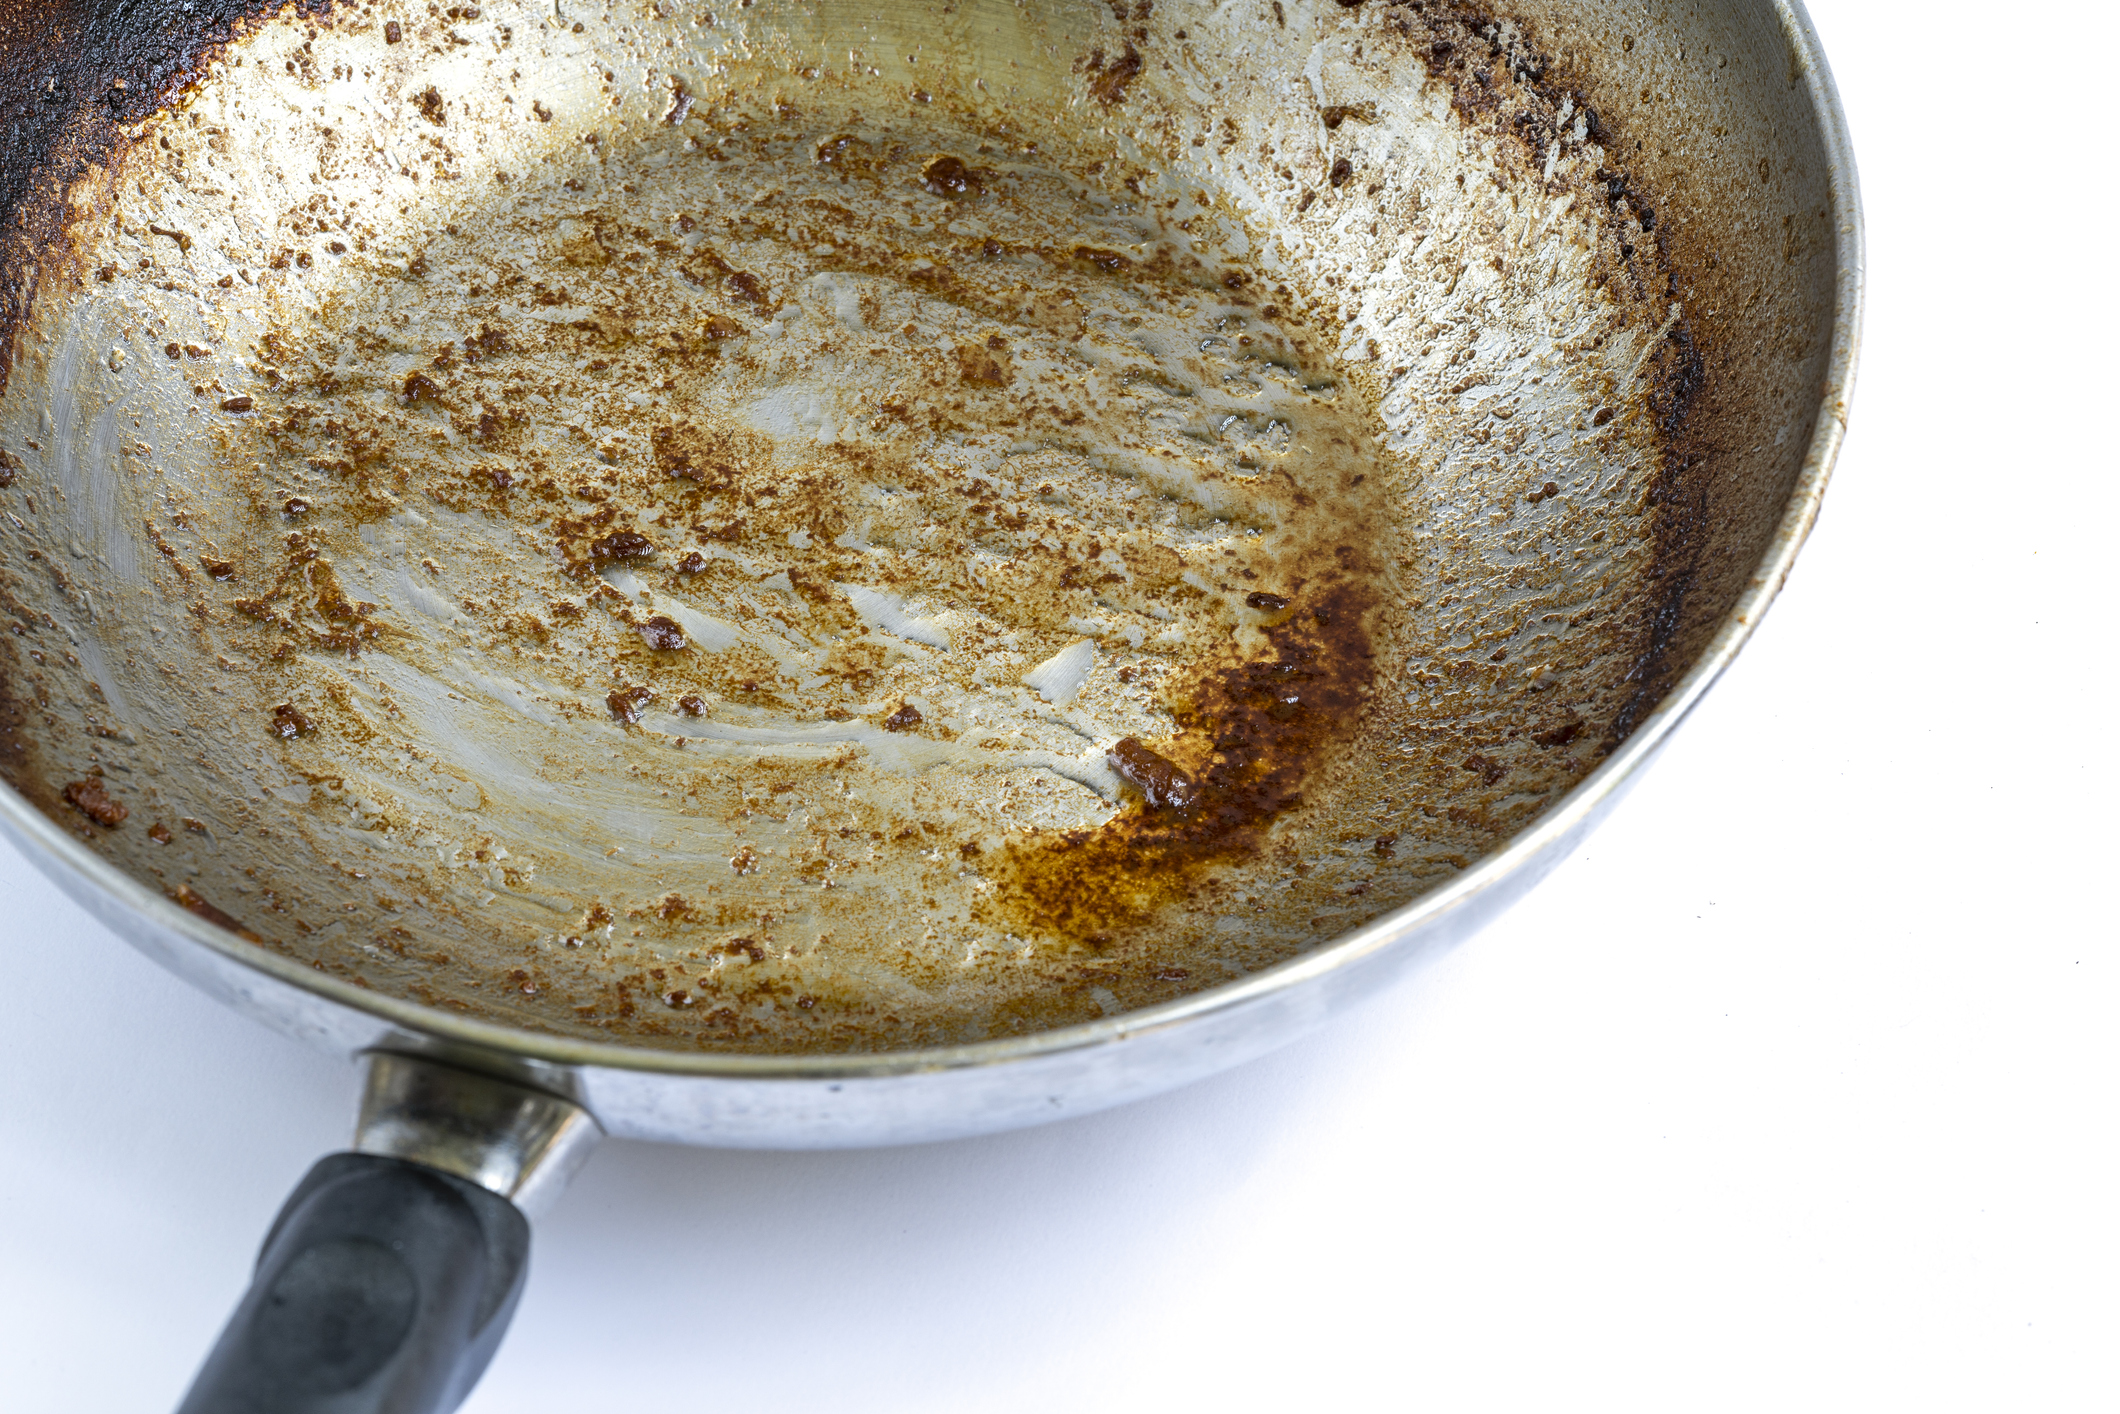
x: 1251, y: 732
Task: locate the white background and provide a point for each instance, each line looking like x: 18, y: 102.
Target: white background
x: 1794, y: 1090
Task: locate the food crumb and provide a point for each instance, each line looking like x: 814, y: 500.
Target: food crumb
x: 289, y: 723
x: 91, y: 799
x: 663, y: 632
x: 1157, y: 778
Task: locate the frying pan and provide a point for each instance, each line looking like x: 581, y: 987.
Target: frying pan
x: 812, y: 575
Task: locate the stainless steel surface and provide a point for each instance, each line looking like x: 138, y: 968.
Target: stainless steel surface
x: 520, y: 1143
x: 1784, y: 92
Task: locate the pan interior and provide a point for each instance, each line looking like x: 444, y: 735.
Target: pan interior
x: 670, y: 528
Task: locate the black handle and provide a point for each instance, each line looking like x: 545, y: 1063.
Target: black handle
x: 384, y: 1287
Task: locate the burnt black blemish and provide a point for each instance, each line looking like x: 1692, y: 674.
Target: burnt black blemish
x: 77, y: 74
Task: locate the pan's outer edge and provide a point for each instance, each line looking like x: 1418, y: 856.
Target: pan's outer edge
x: 1442, y: 916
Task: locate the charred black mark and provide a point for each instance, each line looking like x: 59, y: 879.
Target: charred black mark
x: 1466, y: 47
x: 79, y: 74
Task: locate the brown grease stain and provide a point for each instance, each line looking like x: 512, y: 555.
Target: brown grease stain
x: 1251, y: 733
x: 1108, y: 82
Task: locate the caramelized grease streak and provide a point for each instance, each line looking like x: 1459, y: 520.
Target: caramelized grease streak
x: 1252, y: 733
x: 191, y: 901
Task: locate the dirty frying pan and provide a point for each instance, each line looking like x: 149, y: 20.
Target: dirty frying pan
x: 806, y: 575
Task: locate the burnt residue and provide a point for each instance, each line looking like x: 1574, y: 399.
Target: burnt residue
x: 710, y: 456
x: 306, y: 603
x: 1498, y: 76
x: 1162, y: 785
x: 77, y: 75
x: 1199, y: 797
x: 1251, y: 733
x: 986, y: 367
x: 620, y: 546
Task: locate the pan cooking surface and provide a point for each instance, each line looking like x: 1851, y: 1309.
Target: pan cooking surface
x: 622, y: 529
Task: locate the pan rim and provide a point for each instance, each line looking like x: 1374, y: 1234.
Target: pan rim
x: 59, y: 855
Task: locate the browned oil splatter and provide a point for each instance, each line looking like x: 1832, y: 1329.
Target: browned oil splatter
x: 663, y: 633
